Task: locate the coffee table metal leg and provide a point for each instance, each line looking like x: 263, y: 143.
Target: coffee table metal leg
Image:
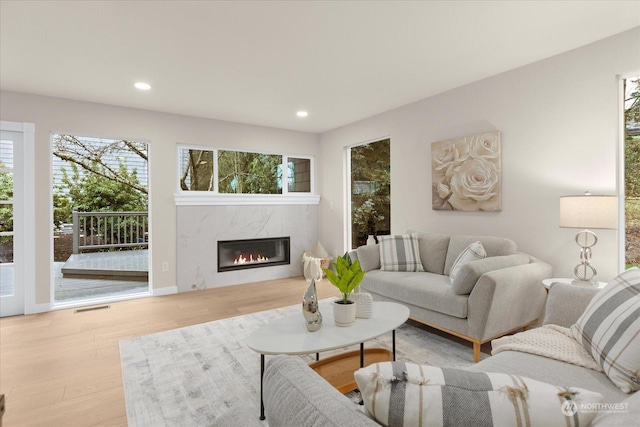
x: 362, y: 355
x: 393, y: 341
x: 262, y: 417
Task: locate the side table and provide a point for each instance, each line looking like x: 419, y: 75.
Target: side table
x: 547, y: 282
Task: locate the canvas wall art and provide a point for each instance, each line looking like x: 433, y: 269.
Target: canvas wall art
x: 466, y: 173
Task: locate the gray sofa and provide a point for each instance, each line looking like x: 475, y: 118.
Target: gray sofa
x: 503, y: 292
x: 296, y: 396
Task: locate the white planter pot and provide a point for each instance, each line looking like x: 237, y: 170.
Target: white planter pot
x: 344, y: 314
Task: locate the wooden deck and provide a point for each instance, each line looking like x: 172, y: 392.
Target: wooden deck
x: 117, y: 265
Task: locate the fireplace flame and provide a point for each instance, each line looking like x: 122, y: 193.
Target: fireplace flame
x: 242, y: 259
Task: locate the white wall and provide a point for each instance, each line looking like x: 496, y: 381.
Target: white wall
x: 559, y: 123
x: 162, y: 131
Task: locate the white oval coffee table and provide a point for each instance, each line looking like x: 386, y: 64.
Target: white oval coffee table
x: 289, y: 335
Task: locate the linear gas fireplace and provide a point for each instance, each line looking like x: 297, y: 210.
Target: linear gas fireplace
x: 253, y: 253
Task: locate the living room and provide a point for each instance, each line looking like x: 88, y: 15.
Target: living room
x: 558, y: 139
x: 558, y: 115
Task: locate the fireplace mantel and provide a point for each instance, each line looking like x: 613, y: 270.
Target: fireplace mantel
x: 204, y: 198
x: 200, y: 227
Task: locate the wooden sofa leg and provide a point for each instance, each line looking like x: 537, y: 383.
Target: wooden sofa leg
x: 476, y: 351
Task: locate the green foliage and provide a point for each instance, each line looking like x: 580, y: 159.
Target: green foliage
x: 249, y: 173
x: 632, y: 166
x: 95, y: 156
x: 632, y: 172
x: 371, y: 210
x: 6, y: 211
x: 367, y: 217
x: 199, y: 171
x: 347, y: 275
x: 632, y: 142
x: 91, y: 192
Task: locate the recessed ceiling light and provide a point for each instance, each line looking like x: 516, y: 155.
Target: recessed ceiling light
x: 302, y: 114
x: 142, y: 86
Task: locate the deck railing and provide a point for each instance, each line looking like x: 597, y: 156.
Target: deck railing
x: 102, y: 230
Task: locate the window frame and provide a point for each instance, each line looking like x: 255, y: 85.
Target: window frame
x: 214, y: 197
x: 622, y: 237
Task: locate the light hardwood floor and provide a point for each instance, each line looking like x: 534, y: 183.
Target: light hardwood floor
x: 62, y: 368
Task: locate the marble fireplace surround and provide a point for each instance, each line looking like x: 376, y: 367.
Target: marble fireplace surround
x: 199, y: 227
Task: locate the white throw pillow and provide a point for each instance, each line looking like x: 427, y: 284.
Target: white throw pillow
x: 400, y: 253
x: 471, y: 253
x: 609, y: 329
x: 407, y: 394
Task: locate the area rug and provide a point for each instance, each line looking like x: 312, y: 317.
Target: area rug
x: 190, y: 376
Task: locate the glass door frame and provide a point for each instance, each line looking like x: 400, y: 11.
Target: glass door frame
x: 24, y: 216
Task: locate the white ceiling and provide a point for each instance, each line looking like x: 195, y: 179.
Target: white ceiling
x: 260, y: 62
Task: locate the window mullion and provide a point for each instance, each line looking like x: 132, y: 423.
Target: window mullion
x: 285, y: 175
x: 215, y: 171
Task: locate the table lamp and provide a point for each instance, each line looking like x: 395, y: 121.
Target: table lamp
x: 587, y: 212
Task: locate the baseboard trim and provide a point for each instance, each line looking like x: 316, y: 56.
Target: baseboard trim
x: 165, y: 290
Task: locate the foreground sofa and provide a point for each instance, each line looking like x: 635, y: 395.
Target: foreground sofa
x: 296, y: 396
x: 494, y: 296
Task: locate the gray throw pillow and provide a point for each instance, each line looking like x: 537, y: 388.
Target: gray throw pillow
x: 470, y: 272
x: 433, y: 250
x: 369, y: 257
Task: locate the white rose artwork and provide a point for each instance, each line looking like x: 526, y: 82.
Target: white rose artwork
x: 466, y: 173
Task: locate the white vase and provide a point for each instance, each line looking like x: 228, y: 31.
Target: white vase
x: 364, y: 304
x: 344, y: 314
x: 371, y: 240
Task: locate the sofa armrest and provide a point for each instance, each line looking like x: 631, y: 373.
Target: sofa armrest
x: 566, y: 302
x: 294, y: 395
x: 503, y: 300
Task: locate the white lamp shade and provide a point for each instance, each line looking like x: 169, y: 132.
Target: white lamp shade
x: 589, y: 211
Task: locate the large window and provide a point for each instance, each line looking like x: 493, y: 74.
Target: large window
x: 632, y: 171
x: 242, y: 172
x: 370, y: 191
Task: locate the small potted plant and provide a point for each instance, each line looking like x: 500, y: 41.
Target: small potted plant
x: 346, y: 277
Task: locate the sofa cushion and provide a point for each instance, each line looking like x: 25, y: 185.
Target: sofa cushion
x: 400, y: 253
x: 369, y: 257
x: 427, y: 290
x: 494, y: 246
x: 398, y: 393
x: 475, y: 251
x: 609, y: 330
x: 433, y: 250
x: 470, y: 272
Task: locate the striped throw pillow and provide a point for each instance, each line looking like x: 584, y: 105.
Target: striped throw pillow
x: 407, y: 394
x: 400, y: 253
x: 609, y: 329
x: 472, y: 252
